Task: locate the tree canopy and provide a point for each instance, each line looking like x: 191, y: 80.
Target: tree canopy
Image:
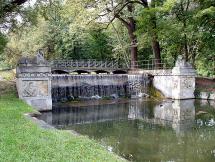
x: 123, y: 30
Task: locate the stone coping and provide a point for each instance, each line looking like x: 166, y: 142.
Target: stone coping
x: 43, y: 124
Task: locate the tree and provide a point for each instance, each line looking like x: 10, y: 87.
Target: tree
x: 155, y: 43
x: 73, y: 29
x: 147, y: 23
x: 61, y: 34
x: 7, y: 8
x: 182, y: 12
x: 124, y: 11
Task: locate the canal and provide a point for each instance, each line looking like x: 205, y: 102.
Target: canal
x: 143, y: 130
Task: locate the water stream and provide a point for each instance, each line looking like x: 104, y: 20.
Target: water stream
x: 141, y: 130
x: 68, y: 87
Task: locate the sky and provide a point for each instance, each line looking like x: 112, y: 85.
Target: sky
x: 30, y: 3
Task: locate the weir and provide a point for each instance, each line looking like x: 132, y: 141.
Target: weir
x: 68, y: 87
x: 39, y: 87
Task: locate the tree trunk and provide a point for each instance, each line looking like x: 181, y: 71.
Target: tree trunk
x: 186, y: 47
x: 130, y: 24
x: 156, y: 52
x: 134, y: 50
x: 155, y: 43
x: 133, y: 38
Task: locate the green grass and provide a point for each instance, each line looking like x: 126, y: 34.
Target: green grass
x: 22, y: 140
x: 7, y: 75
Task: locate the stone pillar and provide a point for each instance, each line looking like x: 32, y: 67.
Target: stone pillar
x: 183, y: 80
x: 34, y: 82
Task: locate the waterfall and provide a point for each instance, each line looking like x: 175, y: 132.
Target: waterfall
x: 137, y: 85
x: 67, y: 87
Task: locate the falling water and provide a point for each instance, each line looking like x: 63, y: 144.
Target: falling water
x: 137, y: 84
x: 67, y: 87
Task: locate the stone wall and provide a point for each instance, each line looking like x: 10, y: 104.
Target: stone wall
x: 205, y: 88
x: 163, y: 84
x: 205, y: 95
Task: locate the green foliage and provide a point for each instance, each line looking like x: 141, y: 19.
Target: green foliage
x: 99, y: 45
x: 3, y: 42
x: 61, y: 34
x: 119, y: 42
x: 197, y: 92
x: 182, y: 25
x: 8, y: 75
x: 72, y: 29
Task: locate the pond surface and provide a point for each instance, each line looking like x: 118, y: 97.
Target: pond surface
x: 141, y: 130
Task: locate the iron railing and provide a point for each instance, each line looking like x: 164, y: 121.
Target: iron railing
x: 152, y: 64
x: 87, y: 64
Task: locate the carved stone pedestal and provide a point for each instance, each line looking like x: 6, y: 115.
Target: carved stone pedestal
x: 34, y: 84
x: 183, y: 80
x: 180, y: 83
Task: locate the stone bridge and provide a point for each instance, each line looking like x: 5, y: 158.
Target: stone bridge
x: 36, y: 81
x: 87, y: 66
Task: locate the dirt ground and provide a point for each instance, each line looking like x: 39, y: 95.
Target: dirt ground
x: 7, y: 86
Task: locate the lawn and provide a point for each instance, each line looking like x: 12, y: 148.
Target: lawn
x: 23, y: 140
x: 7, y: 74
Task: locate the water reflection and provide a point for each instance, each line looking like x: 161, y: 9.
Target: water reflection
x: 65, y: 116
x: 145, y: 130
x: 178, y: 114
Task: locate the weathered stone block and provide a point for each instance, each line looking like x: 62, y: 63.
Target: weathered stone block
x: 183, y: 87
x: 180, y: 84
x: 164, y: 85
x: 34, y: 83
x: 36, y: 88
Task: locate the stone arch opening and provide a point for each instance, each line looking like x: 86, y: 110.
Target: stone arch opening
x: 81, y: 72
x: 59, y: 72
x: 119, y: 72
x: 101, y: 72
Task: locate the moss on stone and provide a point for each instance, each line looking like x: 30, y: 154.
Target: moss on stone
x: 155, y: 92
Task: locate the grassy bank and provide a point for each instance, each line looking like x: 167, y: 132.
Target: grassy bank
x: 7, y: 74
x: 23, y: 140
